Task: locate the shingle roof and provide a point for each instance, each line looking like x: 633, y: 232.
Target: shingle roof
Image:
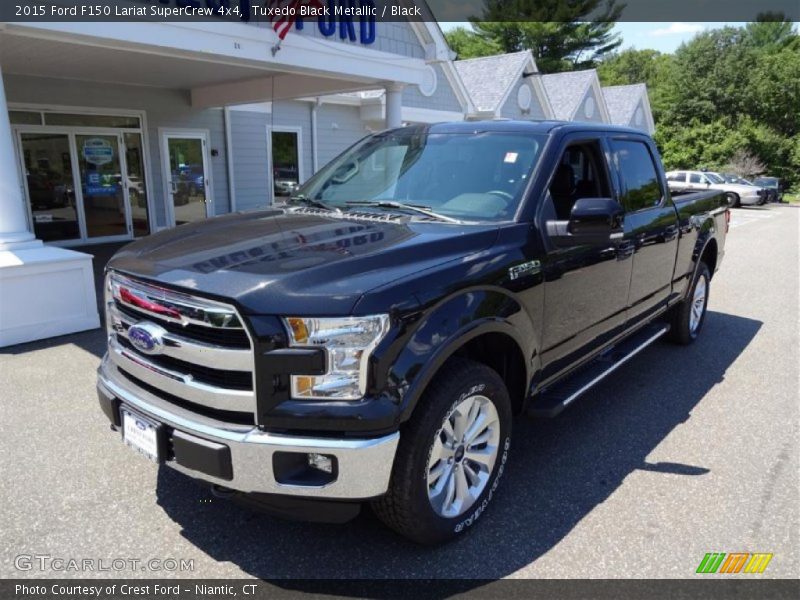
x: 489, y: 78
x: 566, y: 90
x: 622, y: 100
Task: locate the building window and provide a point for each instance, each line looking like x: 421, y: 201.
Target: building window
x: 286, y: 173
x: 25, y: 117
x: 77, y: 120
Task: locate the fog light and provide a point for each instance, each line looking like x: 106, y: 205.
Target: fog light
x: 320, y: 462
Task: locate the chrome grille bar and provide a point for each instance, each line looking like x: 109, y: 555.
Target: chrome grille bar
x: 179, y: 384
x: 172, y: 306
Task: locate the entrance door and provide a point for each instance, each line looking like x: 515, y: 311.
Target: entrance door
x: 105, y: 202
x: 47, y: 160
x: 74, y: 185
x: 186, y: 172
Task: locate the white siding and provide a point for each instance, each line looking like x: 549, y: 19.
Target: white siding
x: 511, y: 109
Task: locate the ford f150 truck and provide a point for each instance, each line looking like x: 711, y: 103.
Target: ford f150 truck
x: 371, y: 340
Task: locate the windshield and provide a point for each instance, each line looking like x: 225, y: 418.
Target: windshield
x: 767, y: 181
x: 714, y: 178
x: 469, y: 177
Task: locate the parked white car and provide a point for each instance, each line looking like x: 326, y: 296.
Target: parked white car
x: 691, y: 181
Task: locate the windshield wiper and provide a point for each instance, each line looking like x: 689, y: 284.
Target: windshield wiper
x: 314, y: 203
x: 425, y: 210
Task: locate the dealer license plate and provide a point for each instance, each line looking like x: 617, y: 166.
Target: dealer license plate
x: 140, y: 434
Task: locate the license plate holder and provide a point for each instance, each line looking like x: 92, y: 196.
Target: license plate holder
x: 142, y: 435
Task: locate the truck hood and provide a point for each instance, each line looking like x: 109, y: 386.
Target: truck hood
x: 308, y: 263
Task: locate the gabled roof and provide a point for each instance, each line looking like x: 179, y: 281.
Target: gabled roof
x: 489, y: 79
x: 567, y: 91
x: 622, y: 101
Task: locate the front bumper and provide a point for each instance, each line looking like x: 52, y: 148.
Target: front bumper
x: 240, y: 457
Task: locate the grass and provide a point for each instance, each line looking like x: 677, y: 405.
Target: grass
x: 793, y: 198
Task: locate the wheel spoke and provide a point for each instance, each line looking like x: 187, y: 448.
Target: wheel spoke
x: 459, y: 424
x: 477, y: 427
x: 447, y: 430
x: 484, y: 457
x: 435, y: 474
x: 473, y: 476
x: 462, y: 488
x: 450, y: 493
x: 482, y: 438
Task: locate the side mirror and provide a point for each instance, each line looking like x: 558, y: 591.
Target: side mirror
x: 591, y: 221
x: 708, y: 183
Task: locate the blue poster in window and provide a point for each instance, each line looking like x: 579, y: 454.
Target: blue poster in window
x: 97, y: 151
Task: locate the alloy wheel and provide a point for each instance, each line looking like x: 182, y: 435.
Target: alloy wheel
x: 463, y: 456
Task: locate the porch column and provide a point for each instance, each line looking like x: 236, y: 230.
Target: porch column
x: 394, y: 105
x: 44, y: 291
x: 13, y: 223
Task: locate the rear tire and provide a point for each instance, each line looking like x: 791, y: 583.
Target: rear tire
x: 451, y: 456
x: 733, y: 200
x: 688, y: 317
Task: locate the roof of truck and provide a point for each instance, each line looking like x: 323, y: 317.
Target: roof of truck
x: 508, y: 125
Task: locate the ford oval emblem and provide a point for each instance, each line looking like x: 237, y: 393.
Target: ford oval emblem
x: 147, y: 337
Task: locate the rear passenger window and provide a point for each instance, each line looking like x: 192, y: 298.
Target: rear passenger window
x: 639, y: 175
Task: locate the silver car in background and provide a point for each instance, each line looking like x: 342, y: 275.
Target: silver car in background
x: 737, y: 194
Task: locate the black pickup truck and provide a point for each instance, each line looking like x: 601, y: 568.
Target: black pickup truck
x: 372, y: 339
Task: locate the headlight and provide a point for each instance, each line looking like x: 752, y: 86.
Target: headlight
x: 348, y: 343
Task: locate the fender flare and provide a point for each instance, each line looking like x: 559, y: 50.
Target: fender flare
x: 414, y: 381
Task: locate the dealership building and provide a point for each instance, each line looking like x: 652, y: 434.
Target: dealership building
x: 112, y: 131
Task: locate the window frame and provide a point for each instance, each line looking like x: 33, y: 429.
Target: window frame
x: 573, y: 139
x: 621, y: 184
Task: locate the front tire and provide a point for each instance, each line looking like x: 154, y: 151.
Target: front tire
x: 733, y: 200
x: 451, y: 456
x: 688, y: 317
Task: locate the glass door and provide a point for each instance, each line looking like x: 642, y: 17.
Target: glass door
x: 104, y: 193
x: 186, y: 170
x: 285, y: 148
x: 47, y: 160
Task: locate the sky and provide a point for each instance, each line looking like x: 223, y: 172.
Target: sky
x: 664, y: 37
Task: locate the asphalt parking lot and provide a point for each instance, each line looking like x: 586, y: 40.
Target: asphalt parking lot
x: 683, y: 451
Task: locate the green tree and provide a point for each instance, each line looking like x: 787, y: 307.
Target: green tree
x: 561, y: 35
x: 773, y: 93
x: 771, y: 32
x: 642, y: 66
x: 466, y: 44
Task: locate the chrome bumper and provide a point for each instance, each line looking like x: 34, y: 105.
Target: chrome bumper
x: 364, y: 465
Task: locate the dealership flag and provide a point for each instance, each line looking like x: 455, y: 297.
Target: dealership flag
x: 288, y: 11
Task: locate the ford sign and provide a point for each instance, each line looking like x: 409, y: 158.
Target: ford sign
x: 147, y: 337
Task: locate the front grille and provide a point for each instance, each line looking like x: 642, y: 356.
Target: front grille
x: 230, y: 338
x: 180, y: 345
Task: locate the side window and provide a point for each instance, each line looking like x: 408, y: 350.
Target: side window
x: 678, y: 177
x: 695, y: 178
x: 639, y: 175
x: 580, y: 174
